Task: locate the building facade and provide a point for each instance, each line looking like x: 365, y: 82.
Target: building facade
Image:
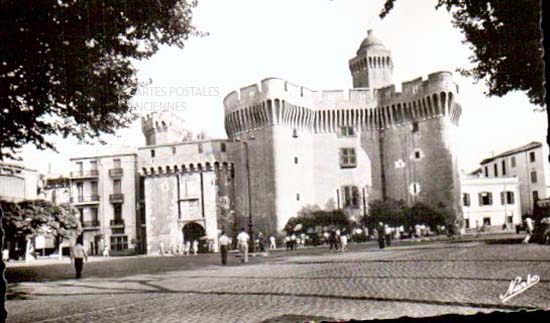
x: 340, y: 149
x: 18, y: 183
x: 529, y: 163
x: 189, y: 185
x: 491, y: 202
x: 104, y: 189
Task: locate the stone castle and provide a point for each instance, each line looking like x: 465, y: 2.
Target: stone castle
x: 341, y: 149
x: 290, y: 148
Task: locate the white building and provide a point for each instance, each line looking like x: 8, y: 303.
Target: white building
x: 104, y: 189
x: 18, y: 183
x: 491, y: 202
x: 529, y: 163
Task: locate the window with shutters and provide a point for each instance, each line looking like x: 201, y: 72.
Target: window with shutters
x: 347, y: 131
x: 350, y: 196
x: 485, y: 198
x: 513, y: 162
x: 532, y: 157
x: 486, y: 171
x: 533, y: 177
x: 466, y: 199
x: 503, y: 168
x: 348, y: 158
x: 495, y: 166
x: 507, y: 198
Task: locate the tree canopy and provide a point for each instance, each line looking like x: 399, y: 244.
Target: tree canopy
x: 66, y: 65
x: 506, y: 42
x: 30, y: 218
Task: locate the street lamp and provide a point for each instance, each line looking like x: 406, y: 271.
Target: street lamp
x: 247, y: 165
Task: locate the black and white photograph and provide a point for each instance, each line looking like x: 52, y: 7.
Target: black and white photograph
x: 273, y: 160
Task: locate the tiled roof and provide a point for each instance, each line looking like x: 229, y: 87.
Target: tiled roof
x: 529, y: 146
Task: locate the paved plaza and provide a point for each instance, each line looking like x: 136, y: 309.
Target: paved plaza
x: 364, y: 283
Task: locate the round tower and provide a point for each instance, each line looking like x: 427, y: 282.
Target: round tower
x: 372, y: 67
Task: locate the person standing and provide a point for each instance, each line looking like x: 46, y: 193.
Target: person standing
x: 332, y: 240
x: 343, y: 242
x: 78, y: 255
x: 387, y: 233
x: 381, y: 235
x: 272, y: 244
x: 187, y: 248
x: 225, y: 242
x: 529, y: 226
x: 195, y: 247
x: 242, y: 241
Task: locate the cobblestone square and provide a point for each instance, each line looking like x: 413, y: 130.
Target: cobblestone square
x: 365, y: 283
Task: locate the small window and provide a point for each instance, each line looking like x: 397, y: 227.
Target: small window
x: 504, y: 168
x: 509, y: 219
x: 415, y: 126
x: 117, y: 211
x: 495, y: 167
x: 347, y: 131
x: 297, y: 197
x: 532, y: 157
x: 351, y: 197
x: 467, y: 223
x: 222, y: 147
x: 485, y: 198
x: 295, y: 160
x: 348, y: 158
x: 486, y: 171
x: 119, y: 243
x: 417, y: 155
x: 487, y: 221
x: 535, y: 196
x: 507, y: 198
x: 117, y: 187
x: 533, y: 177
x: 152, y: 153
x: 199, y: 146
x: 466, y: 199
x: 294, y: 133
x: 173, y: 150
x: 513, y: 162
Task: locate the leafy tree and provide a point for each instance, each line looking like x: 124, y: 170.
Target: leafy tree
x: 506, y: 39
x: 26, y: 220
x: 387, y: 211
x: 317, y: 218
x: 66, y: 65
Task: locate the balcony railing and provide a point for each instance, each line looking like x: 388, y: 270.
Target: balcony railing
x: 116, y: 198
x: 116, y: 172
x: 117, y: 223
x: 90, y: 224
x: 85, y: 174
x: 85, y: 199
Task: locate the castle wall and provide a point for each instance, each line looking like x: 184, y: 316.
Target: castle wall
x: 402, y: 138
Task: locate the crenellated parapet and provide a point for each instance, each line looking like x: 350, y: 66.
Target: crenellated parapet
x: 163, y: 127
x: 278, y: 102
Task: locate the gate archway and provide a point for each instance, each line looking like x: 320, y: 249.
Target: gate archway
x: 192, y: 231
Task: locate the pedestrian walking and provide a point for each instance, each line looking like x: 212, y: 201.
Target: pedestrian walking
x: 381, y: 235
x: 332, y: 240
x: 242, y: 241
x: 78, y: 255
x: 195, y: 246
x: 387, y: 234
x: 529, y: 226
x: 225, y: 242
x: 106, y: 250
x: 343, y: 242
x: 293, y: 242
x: 187, y: 248
x: 272, y: 243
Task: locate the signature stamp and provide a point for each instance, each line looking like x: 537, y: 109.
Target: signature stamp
x: 518, y: 286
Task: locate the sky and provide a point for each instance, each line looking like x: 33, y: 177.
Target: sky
x: 308, y: 42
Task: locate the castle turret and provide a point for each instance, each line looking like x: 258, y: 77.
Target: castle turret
x: 372, y: 67
x: 163, y: 128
